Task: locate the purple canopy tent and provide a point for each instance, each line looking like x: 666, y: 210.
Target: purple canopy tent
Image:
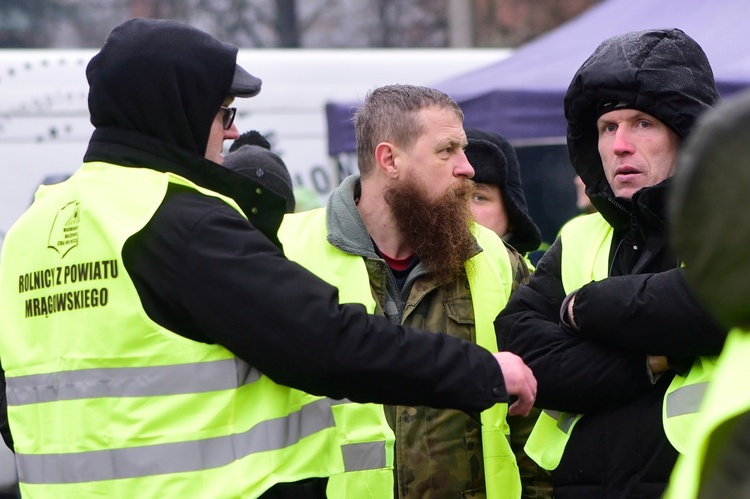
x: 521, y: 97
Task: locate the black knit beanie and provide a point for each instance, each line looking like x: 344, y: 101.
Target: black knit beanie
x: 251, y: 156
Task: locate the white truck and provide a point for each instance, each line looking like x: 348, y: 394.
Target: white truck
x: 44, y: 122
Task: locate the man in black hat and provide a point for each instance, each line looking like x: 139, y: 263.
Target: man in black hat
x: 498, y: 201
x: 151, y: 330
x: 616, y: 338
x: 251, y: 156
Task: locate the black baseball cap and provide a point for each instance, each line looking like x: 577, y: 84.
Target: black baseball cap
x: 244, y: 84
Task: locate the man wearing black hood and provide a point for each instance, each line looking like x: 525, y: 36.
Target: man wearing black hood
x: 498, y: 201
x: 148, y: 322
x: 616, y: 338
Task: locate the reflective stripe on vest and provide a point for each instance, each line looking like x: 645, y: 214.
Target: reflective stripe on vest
x: 118, y: 382
x: 164, y: 459
x: 104, y: 402
x: 564, y: 420
x: 724, y: 400
x: 359, y: 456
x: 586, y: 242
x: 152, y: 460
x: 683, y: 401
x: 349, y: 274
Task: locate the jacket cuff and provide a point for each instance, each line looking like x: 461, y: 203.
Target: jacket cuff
x: 564, y: 320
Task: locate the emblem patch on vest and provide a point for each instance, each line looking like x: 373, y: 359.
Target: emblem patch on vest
x: 64, y: 234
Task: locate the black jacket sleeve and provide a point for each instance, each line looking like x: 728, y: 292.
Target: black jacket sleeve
x: 4, y: 430
x: 573, y: 374
x: 647, y: 313
x: 205, y: 272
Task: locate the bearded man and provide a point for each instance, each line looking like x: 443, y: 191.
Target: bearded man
x: 399, y: 239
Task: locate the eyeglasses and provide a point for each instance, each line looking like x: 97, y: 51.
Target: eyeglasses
x: 228, y: 117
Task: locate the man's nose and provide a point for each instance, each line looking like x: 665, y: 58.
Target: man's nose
x: 463, y: 168
x: 622, y: 142
x: 232, y: 134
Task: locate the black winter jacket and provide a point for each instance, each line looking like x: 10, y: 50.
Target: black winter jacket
x: 619, y: 449
x: 204, y: 271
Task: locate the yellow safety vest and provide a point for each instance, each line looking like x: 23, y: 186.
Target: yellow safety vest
x: 304, y: 238
x: 586, y: 244
x: 104, y: 402
x: 724, y: 400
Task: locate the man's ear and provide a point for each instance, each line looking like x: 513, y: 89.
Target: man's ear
x: 386, y: 158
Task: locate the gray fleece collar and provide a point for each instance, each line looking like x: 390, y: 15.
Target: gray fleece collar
x: 346, y: 230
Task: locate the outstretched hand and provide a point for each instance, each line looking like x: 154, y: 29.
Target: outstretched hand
x: 519, y: 382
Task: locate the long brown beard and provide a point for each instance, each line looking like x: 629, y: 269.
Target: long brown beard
x: 437, y: 230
